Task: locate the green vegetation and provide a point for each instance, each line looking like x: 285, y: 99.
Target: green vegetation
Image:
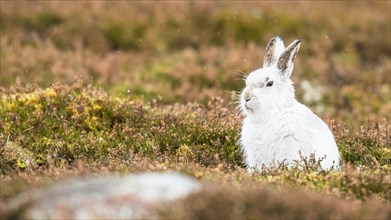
x: 69, y: 123
x: 137, y: 86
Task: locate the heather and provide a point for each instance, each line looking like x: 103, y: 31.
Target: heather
x: 126, y: 87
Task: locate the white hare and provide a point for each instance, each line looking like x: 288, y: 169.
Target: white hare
x: 276, y: 126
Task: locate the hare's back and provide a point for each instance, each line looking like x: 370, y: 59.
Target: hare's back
x: 318, y: 136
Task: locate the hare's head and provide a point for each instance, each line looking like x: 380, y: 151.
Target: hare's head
x: 269, y: 89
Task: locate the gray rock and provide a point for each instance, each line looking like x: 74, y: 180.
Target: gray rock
x: 108, y: 197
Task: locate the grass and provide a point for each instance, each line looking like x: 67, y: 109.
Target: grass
x: 132, y: 87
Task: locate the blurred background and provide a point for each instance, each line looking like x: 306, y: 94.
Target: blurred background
x: 147, y: 56
x: 179, y: 52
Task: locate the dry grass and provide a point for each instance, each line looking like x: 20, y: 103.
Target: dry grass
x: 96, y: 87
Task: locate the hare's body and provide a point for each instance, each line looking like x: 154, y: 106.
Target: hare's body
x: 281, y: 138
x: 277, y: 128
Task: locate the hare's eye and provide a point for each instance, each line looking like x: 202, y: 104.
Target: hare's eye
x: 269, y: 84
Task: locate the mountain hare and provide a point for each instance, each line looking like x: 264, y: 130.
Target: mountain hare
x: 276, y: 127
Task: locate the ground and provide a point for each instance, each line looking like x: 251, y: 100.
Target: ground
x: 100, y: 88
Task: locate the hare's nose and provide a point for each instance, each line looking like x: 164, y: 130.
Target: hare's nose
x: 247, y: 96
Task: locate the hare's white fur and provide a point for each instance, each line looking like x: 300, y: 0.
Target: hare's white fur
x: 276, y: 127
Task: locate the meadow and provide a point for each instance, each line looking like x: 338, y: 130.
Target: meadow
x: 90, y: 88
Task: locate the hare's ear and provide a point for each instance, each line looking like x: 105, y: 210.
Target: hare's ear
x: 285, y: 62
x: 273, y: 50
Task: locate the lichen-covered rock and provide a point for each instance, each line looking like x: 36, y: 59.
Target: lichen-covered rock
x: 109, y: 197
